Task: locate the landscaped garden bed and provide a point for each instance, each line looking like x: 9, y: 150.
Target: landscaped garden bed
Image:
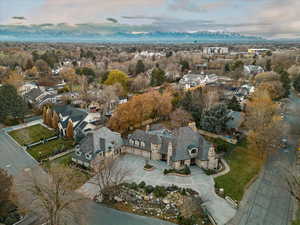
x: 149, y: 167
x: 174, y: 204
x: 181, y: 172
x: 32, y: 134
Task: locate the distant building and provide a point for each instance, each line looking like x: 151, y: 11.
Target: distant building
x: 252, y: 69
x: 215, y: 50
x: 258, y: 51
x: 194, y: 80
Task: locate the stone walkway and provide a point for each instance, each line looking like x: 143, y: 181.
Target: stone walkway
x: 220, y: 210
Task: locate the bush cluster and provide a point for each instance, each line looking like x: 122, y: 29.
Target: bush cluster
x: 185, y: 171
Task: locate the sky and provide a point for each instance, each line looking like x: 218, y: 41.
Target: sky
x: 266, y: 18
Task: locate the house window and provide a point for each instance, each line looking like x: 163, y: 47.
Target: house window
x: 137, y: 143
x: 78, y: 152
x: 194, y: 151
x: 142, y: 144
x: 88, y: 156
x: 181, y: 162
x: 131, y: 141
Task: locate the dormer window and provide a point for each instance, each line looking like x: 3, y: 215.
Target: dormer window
x: 78, y: 152
x: 88, y: 156
x: 142, y: 144
x: 137, y: 143
x: 131, y: 141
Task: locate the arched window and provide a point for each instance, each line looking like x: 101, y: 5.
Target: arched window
x: 137, y: 143
x: 194, y: 151
x: 142, y: 144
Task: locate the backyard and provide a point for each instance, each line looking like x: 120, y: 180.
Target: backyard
x: 29, y: 135
x: 243, y: 168
x: 50, y: 148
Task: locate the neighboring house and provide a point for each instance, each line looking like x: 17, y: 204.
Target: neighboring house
x: 183, y: 147
x: 27, y: 87
x: 194, y: 80
x: 97, y: 145
x: 39, y: 97
x: 253, y: 70
x: 83, y: 122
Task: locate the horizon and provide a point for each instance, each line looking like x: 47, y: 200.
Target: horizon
x: 271, y: 19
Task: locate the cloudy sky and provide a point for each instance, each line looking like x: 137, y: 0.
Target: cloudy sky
x: 267, y: 18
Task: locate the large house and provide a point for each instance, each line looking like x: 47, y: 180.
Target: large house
x: 253, y: 69
x: 39, y: 97
x: 83, y: 122
x: 96, y: 145
x: 179, y: 148
x: 184, y: 146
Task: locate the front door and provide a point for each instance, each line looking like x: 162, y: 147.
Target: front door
x: 163, y: 157
x: 193, y: 162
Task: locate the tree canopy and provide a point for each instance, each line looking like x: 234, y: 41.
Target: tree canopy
x: 11, y: 104
x: 117, y: 76
x: 157, y: 77
x: 215, y: 119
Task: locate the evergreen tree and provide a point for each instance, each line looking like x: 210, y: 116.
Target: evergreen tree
x: 11, y: 104
x: 157, y: 77
x: 215, y: 119
x: 286, y: 83
x: 296, y: 83
x: 234, y: 104
x: 140, y: 67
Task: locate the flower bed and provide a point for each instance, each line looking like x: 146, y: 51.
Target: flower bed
x: 149, y: 167
x: 182, y: 172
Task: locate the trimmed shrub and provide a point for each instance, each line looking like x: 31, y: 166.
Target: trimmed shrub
x: 149, y: 189
x: 160, y: 192
x: 142, y: 184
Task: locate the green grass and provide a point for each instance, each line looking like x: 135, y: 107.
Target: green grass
x: 81, y: 175
x: 243, y: 167
x: 46, y: 150
x: 31, y: 134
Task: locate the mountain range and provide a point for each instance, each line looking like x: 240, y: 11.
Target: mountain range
x: 91, y: 33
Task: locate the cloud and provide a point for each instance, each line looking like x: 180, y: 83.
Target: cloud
x: 87, y: 11
x: 276, y: 19
x: 19, y: 18
x: 197, y: 5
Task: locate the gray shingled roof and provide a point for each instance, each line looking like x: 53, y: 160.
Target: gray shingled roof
x: 182, y: 139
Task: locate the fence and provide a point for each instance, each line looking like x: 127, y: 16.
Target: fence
x: 43, y: 141
x: 212, y: 135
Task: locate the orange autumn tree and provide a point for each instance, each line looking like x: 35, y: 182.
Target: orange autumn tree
x: 45, y: 115
x: 140, y: 108
x: 70, y: 130
x: 55, y: 120
x: 49, y: 117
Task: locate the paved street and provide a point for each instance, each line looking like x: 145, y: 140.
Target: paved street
x: 199, y: 181
x: 268, y: 201
x: 12, y: 157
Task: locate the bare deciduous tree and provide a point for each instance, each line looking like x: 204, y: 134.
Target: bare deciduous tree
x: 108, y: 175
x: 51, y: 196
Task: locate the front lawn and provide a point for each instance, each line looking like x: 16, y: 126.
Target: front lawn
x: 243, y: 168
x: 48, y: 149
x: 28, y: 135
x: 81, y: 175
